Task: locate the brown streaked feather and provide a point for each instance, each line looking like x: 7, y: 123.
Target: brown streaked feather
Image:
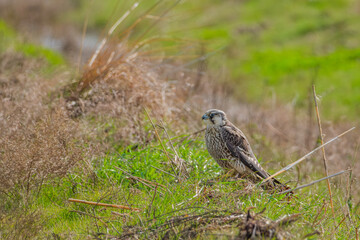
x: 240, y: 148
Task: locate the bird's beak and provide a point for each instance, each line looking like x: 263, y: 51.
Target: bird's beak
x: 204, y: 117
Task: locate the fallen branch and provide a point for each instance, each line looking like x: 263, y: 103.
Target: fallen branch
x: 312, y: 183
x: 306, y: 156
x: 104, y: 204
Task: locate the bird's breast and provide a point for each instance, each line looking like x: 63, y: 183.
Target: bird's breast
x: 215, y: 144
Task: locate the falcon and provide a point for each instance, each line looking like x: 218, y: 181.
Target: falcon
x: 231, y: 150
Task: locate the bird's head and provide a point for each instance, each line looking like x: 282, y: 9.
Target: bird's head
x: 214, y: 117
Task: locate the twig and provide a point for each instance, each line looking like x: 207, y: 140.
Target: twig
x: 87, y: 214
x: 318, y: 214
x: 159, y: 139
x: 176, y: 153
x: 311, y: 234
x: 306, y: 156
x: 323, y: 150
x: 195, y: 196
x: 312, y: 183
x: 121, y: 214
x: 336, y: 228
x: 348, y: 197
x: 163, y: 171
x: 152, y: 200
x: 155, y: 184
x: 104, y: 204
x: 191, y: 134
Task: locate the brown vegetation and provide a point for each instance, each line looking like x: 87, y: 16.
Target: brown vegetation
x: 38, y: 142
x: 214, y: 224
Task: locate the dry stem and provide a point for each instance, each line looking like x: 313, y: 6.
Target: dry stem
x: 323, y: 150
x: 104, y: 204
x: 155, y: 184
x: 312, y: 183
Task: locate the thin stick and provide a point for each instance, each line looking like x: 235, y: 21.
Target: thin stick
x: 336, y: 228
x: 318, y: 214
x: 163, y: 171
x: 312, y: 183
x: 322, y: 218
x: 121, y: 214
x: 168, y: 137
x: 323, y: 150
x: 87, y: 214
x: 104, y: 204
x: 173, y: 148
x: 191, y: 134
x: 159, y: 139
x: 306, y: 156
x: 155, y: 184
x: 151, y: 203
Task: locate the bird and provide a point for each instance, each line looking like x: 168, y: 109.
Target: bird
x: 231, y: 150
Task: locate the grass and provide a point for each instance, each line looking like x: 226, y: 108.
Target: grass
x: 191, y: 196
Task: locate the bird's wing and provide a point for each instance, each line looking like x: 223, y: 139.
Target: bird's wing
x: 240, y: 148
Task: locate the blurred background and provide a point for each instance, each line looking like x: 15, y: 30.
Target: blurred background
x: 259, y: 51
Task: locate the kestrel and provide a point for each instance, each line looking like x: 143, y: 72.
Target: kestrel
x: 231, y: 150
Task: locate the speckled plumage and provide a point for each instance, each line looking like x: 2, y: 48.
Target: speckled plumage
x: 230, y: 148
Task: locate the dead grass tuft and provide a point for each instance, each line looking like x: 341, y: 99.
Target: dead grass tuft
x: 121, y: 82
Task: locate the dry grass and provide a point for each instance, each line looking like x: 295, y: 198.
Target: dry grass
x: 38, y: 151
x: 37, y: 142
x: 122, y: 82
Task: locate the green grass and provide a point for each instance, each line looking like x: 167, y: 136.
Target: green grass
x: 110, y: 185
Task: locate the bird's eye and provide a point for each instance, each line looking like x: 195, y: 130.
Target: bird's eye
x: 212, y: 115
